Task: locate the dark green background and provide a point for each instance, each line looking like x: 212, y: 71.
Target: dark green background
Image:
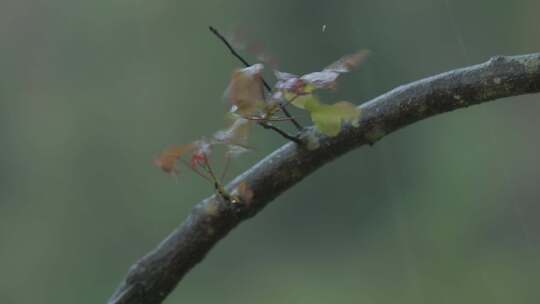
x: 444, y: 211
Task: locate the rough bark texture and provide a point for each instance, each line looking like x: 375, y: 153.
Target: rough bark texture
x: 155, y: 275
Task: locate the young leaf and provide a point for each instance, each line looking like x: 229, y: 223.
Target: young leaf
x: 236, y: 133
x: 321, y: 80
x: 300, y: 101
x: 289, y: 83
x: 245, y: 90
x: 201, y: 152
x: 198, y: 159
x: 348, y: 62
x: 235, y: 136
x: 168, y: 158
x: 329, y: 118
x: 283, y: 76
x: 324, y: 79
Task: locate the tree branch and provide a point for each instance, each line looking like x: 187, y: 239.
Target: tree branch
x: 155, y: 275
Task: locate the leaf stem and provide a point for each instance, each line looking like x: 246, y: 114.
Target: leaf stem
x: 254, y: 118
x: 185, y: 163
x: 225, y: 167
x: 218, y: 186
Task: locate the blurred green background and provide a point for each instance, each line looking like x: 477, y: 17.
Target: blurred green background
x: 444, y: 211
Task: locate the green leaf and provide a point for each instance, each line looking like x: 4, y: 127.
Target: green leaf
x: 301, y: 100
x: 329, y: 118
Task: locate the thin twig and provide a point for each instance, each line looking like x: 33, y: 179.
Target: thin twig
x: 286, y: 112
x: 218, y: 186
x: 254, y: 118
x: 210, y: 171
x: 281, y: 132
x: 225, y: 167
x: 278, y: 130
x: 235, y: 54
x: 266, y: 85
x: 189, y: 166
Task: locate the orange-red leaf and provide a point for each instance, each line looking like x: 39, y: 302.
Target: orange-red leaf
x: 168, y: 158
x: 202, y: 149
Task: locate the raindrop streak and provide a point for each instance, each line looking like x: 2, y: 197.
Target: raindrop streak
x: 494, y: 138
x: 457, y: 30
x: 518, y: 209
x: 409, y: 258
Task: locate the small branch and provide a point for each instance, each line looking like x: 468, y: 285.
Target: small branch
x: 286, y: 112
x: 155, y: 275
x: 281, y: 132
x: 235, y: 54
x: 266, y: 85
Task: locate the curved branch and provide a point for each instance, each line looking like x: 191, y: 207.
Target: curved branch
x: 155, y: 275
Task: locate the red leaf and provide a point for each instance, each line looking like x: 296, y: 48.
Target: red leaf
x: 197, y: 159
x: 168, y: 158
x: 201, y: 153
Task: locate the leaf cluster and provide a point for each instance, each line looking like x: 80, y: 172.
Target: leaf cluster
x: 251, y: 104
x: 300, y: 91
